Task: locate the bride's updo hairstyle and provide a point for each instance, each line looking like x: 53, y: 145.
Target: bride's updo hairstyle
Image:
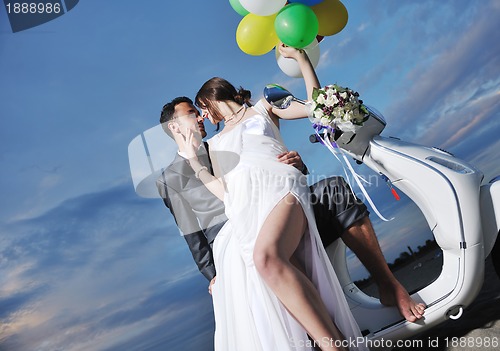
x: 219, y: 89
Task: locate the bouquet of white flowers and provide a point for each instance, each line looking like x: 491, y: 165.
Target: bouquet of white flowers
x: 338, y: 108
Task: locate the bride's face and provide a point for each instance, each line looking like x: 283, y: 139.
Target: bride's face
x: 205, y: 113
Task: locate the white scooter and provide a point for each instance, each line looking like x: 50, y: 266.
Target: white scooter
x: 463, y: 215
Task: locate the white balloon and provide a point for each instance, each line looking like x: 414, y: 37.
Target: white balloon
x: 291, y: 68
x: 263, y: 7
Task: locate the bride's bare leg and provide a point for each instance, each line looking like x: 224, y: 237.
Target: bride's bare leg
x: 276, y: 242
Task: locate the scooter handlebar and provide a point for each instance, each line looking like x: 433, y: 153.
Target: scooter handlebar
x: 313, y: 138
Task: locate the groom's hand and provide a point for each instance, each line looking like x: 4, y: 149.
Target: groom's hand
x: 212, y: 282
x: 291, y: 158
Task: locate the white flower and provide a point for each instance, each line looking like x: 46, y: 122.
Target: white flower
x: 318, y: 113
x: 347, y: 115
x: 325, y: 121
x: 332, y: 100
x: 320, y: 99
x: 343, y: 95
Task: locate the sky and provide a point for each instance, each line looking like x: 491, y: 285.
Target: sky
x: 86, y: 263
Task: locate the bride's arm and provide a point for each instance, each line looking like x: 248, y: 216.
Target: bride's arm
x: 213, y: 184
x: 297, y: 110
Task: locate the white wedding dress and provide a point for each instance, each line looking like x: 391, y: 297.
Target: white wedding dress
x: 248, y: 316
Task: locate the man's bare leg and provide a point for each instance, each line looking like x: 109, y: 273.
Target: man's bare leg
x: 361, y: 239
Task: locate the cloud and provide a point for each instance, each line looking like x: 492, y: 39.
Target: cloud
x: 462, y: 76
x: 485, y: 157
x: 97, y: 270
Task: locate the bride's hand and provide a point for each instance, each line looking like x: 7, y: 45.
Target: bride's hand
x: 189, y: 145
x: 290, y: 52
x: 212, y: 282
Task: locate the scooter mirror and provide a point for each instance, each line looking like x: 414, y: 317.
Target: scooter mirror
x: 279, y: 97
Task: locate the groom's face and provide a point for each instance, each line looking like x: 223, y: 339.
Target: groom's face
x: 188, y: 116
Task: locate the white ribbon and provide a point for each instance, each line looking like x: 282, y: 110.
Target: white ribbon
x: 335, y: 150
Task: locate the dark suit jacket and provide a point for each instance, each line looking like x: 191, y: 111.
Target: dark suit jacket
x: 197, y: 212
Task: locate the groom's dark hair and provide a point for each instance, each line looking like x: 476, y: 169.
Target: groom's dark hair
x: 168, y: 110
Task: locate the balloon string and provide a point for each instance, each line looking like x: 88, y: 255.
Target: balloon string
x: 335, y: 150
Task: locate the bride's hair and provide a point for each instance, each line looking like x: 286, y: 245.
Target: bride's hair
x: 219, y: 89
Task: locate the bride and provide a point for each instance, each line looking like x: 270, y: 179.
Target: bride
x: 275, y: 287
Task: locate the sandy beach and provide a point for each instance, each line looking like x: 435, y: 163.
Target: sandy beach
x: 477, y: 329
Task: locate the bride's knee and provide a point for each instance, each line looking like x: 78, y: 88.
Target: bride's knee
x: 269, y: 265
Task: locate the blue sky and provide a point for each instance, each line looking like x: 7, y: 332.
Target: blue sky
x: 85, y: 263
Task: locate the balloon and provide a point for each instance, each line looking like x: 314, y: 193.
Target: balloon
x: 255, y: 35
x: 307, y: 2
x: 332, y: 17
x: 263, y: 7
x: 296, y: 25
x: 291, y: 68
x: 235, y: 4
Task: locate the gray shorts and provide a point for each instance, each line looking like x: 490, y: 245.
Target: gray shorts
x: 336, y: 208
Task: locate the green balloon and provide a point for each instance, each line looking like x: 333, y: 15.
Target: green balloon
x: 296, y: 25
x: 236, y: 5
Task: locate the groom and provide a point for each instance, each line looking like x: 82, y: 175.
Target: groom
x: 200, y: 215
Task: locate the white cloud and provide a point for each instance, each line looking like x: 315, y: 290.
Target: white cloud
x: 449, y: 84
x: 363, y: 26
x: 96, y: 270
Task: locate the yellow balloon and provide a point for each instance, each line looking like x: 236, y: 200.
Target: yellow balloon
x: 332, y: 17
x: 255, y: 34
